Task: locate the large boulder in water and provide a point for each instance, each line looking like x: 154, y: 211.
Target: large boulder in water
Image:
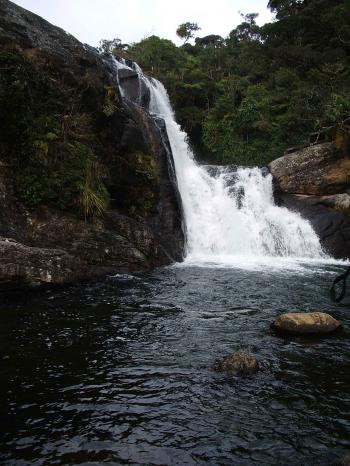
x: 238, y: 363
x: 320, y: 169
x: 306, y: 323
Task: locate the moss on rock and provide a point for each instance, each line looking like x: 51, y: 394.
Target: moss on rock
x: 52, y: 143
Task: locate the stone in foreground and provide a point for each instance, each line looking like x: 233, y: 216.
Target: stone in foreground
x: 306, y: 323
x: 238, y: 363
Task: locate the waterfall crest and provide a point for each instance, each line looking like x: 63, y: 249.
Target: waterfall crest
x: 229, y: 215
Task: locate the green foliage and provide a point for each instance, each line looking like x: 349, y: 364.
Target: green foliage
x: 142, y: 200
x: 73, y: 180
x: 50, y: 143
x: 248, y: 97
x: 15, y: 93
x: 156, y: 55
x: 241, y: 137
x: 93, y: 197
x: 186, y: 30
x: 110, y: 101
x: 114, y: 46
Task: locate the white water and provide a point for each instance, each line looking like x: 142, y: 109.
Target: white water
x: 232, y: 224
x: 224, y: 224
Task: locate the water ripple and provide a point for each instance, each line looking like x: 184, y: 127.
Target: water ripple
x: 121, y: 372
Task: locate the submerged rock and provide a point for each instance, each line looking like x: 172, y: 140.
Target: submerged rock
x: 238, y: 363
x: 306, y: 323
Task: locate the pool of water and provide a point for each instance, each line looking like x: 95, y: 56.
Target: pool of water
x: 121, y: 371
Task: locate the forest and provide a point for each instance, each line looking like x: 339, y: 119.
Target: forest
x: 262, y: 90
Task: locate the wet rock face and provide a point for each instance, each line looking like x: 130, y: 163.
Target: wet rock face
x: 238, y: 363
x: 133, y: 87
x: 306, y: 323
x: 332, y: 225
x: 142, y: 228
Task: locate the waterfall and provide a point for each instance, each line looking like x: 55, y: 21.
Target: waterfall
x: 229, y: 215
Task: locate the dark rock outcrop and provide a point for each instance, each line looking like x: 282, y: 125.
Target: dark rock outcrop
x: 331, y: 225
x: 315, y: 182
x: 30, y: 266
x: 77, y: 116
x: 134, y: 87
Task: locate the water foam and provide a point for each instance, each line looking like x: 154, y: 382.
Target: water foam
x: 231, y: 218
x: 231, y: 222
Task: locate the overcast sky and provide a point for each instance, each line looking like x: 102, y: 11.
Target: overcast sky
x: 91, y: 20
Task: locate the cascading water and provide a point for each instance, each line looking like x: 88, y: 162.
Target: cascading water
x: 225, y: 223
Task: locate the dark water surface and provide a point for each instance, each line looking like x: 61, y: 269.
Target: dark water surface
x: 120, y: 372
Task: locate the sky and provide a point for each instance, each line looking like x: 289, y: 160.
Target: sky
x: 92, y: 20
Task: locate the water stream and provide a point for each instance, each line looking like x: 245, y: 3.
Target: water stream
x: 121, y: 371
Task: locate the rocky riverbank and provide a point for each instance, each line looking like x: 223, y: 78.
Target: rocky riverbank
x: 315, y: 181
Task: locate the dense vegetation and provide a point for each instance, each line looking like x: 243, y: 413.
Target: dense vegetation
x: 61, y: 131
x: 49, y: 141
x: 248, y: 97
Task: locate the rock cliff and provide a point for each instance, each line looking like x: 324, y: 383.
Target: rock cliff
x: 315, y: 181
x: 87, y: 186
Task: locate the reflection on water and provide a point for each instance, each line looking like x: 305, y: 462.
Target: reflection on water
x: 120, y: 372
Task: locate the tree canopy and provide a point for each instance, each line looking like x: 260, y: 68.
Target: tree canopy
x: 186, y: 31
x: 248, y: 97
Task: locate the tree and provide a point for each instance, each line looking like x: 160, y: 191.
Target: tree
x: 247, y: 97
x: 186, y: 31
x: 285, y: 7
x: 156, y: 56
x: 114, y: 46
x: 248, y: 30
x: 212, y: 40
